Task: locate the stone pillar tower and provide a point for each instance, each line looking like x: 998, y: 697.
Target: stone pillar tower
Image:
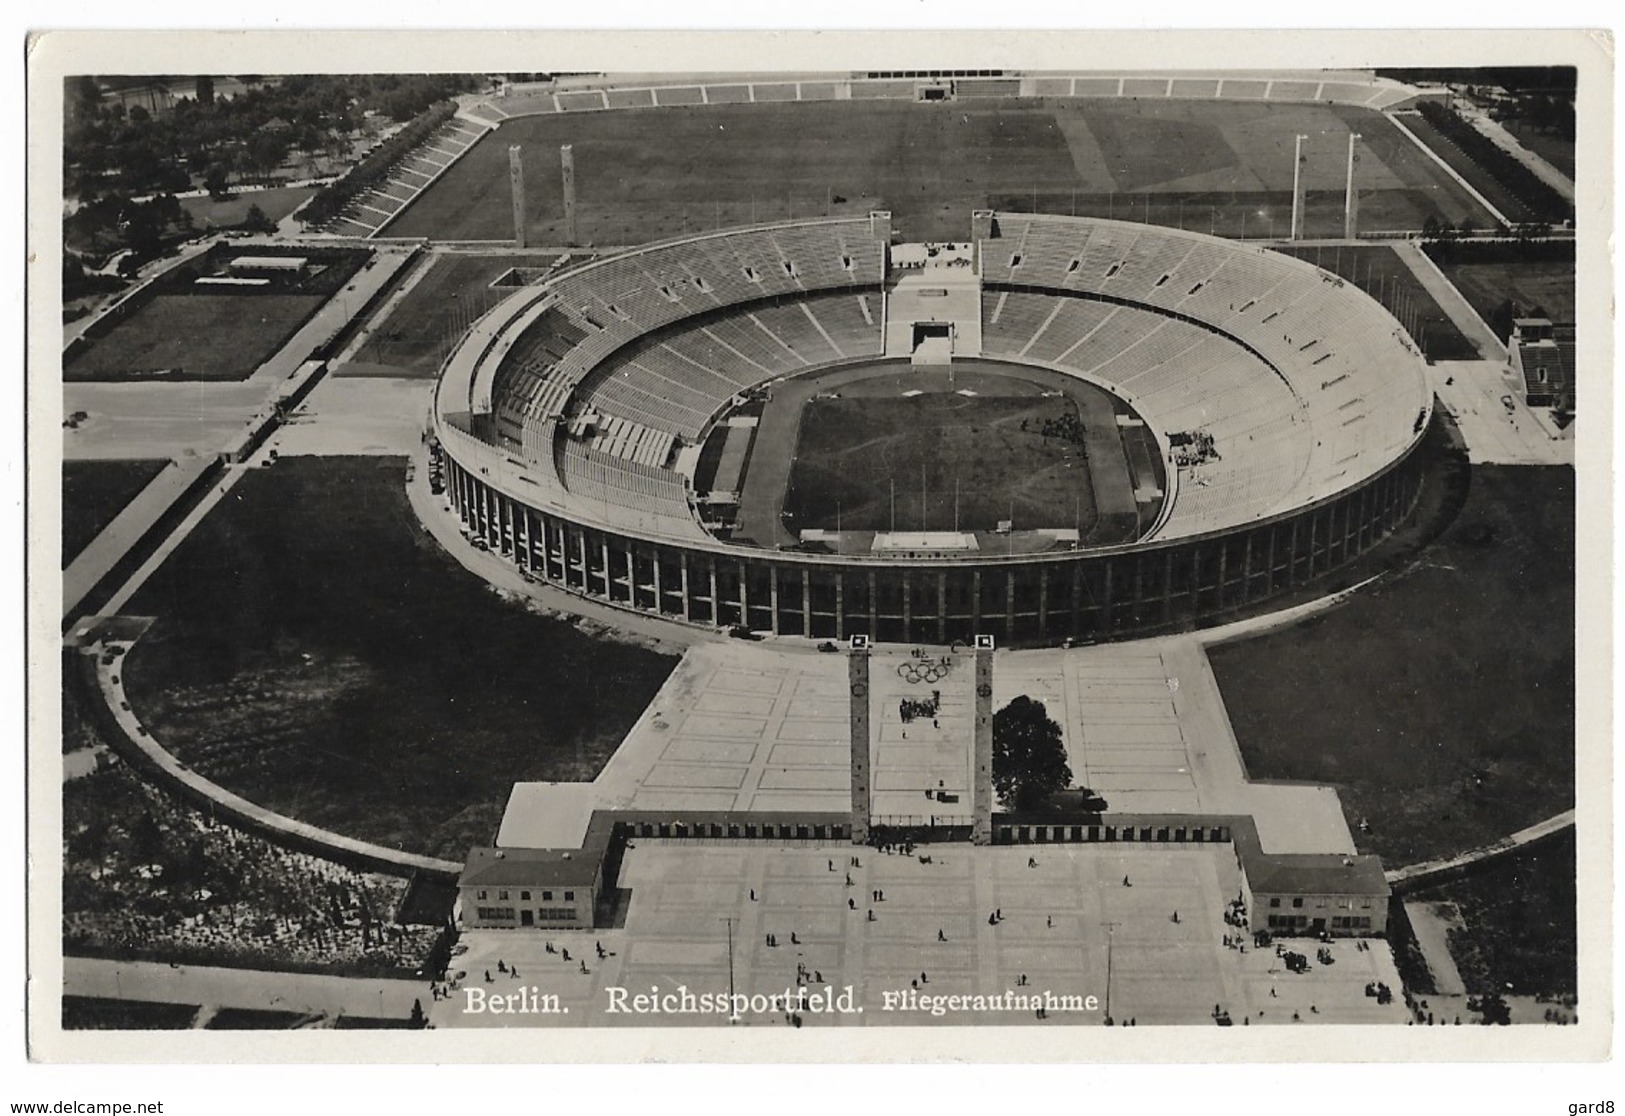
x: 1351, y: 195
x: 516, y: 180
x: 1295, y: 232
x: 857, y: 674
x: 567, y: 161
x: 982, y: 761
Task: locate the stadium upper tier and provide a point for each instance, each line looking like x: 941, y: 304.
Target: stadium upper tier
x: 608, y: 92
x: 523, y: 368
x: 1304, y: 383
x: 1270, y: 384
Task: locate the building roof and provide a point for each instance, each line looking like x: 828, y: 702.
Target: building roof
x: 547, y: 816
x: 533, y: 867
x: 1315, y: 874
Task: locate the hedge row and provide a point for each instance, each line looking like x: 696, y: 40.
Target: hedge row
x: 1543, y: 202
x: 1521, y: 250
x: 374, y: 169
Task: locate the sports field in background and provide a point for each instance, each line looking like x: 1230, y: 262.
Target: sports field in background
x: 1213, y: 166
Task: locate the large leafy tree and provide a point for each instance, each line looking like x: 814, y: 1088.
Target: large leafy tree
x: 1029, y: 761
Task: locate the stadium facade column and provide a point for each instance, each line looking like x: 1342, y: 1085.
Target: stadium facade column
x: 857, y: 676
x: 806, y: 602
x: 682, y: 576
x: 773, y: 597
x: 874, y: 605
x: 1009, y: 604
x: 908, y: 608
x: 982, y: 745
x: 1077, y: 600
x: 942, y: 607
x: 516, y: 183
x: 716, y: 604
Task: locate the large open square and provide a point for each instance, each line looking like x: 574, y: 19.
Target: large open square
x: 1070, y: 927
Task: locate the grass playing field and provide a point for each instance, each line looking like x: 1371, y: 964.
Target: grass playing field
x: 317, y: 653
x: 194, y: 337
x: 643, y: 174
x: 955, y: 463
x: 1441, y: 705
x: 93, y: 493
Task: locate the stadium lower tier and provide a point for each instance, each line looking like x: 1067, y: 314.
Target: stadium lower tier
x: 1086, y: 595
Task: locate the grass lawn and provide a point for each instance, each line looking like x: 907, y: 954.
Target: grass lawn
x: 438, y: 310
x: 851, y: 451
x: 316, y: 652
x: 230, y: 212
x: 1441, y: 705
x: 96, y: 1013
x: 194, y: 337
x: 1518, y: 920
x: 643, y: 174
x: 1378, y: 270
x: 93, y: 493
x: 1545, y: 283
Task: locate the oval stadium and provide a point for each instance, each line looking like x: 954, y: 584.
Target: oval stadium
x: 1058, y: 429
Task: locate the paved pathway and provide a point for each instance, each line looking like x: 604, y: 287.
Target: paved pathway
x: 1486, y: 402
x: 1508, y: 142
x: 1450, y: 300
x: 214, y: 988
x: 1433, y: 936
x: 1419, y: 875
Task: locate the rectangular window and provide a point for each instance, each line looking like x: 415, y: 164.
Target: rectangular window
x: 547, y: 896
x: 1275, y: 901
x: 502, y: 895
x: 569, y: 896
x: 525, y: 895
x: 1297, y: 903
x: 482, y: 895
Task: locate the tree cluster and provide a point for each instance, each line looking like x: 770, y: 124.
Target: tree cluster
x: 108, y: 149
x: 1542, y: 202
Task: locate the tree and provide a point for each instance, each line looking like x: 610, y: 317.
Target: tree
x: 1029, y: 762
x: 256, y: 220
x: 214, y: 181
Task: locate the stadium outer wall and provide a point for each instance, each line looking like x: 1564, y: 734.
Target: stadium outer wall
x: 1088, y: 595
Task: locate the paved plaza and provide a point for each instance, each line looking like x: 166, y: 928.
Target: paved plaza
x: 754, y: 727
x: 1060, y: 905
